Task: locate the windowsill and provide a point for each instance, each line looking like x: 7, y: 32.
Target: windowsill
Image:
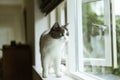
x: 67, y: 76
x: 52, y: 76
x: 84, y: 76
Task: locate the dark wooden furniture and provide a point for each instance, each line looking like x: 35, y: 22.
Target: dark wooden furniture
x: 17, y: 63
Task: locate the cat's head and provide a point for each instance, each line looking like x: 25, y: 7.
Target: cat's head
x: 59, y: 32
x: 98, y: 30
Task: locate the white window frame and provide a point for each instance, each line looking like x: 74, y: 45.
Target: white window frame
x: 107, y: 61
x: 71, y: 46
x: 75, y: 60
x: 110, y: 52
x: 115, y: 63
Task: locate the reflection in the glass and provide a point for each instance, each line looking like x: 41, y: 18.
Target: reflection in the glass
x: 93, y: 36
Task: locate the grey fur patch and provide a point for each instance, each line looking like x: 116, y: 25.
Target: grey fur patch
x: 57, y: 32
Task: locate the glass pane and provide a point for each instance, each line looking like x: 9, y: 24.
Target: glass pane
x: 93, y: 13
x: 94, y: 43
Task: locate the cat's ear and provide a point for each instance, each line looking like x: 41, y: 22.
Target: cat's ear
x: 65, y: 26
x: 56, y: 25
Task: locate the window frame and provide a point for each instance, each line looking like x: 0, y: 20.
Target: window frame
x: 74, y: 16
x: 107, y: 61
x: 114, y: 36
x: 108, y: 40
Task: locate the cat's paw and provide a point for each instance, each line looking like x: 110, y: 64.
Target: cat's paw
x: 44, y: 75
x: 59, y: 75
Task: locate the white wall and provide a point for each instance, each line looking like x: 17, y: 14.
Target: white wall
x: 41, y: 24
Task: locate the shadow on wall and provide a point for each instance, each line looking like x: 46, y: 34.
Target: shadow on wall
x: 38, y: 14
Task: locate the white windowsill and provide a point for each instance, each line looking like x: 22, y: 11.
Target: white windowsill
x: 52, y: 76
x: 84, y: 76
x: 67, y: 76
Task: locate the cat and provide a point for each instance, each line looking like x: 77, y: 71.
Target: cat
x: 98, y: 41
x: 96, y: 47
x: 96, y: 44
x: 52, y: 42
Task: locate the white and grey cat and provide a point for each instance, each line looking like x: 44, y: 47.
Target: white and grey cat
x: 51, y: 44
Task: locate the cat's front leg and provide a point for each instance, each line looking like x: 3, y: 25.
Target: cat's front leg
x: 44, y: 73
x: 57, y: 67
x: 45, y: 68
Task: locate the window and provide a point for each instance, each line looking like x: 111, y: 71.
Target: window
x: 93, y: 28
x: 96, y: 33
